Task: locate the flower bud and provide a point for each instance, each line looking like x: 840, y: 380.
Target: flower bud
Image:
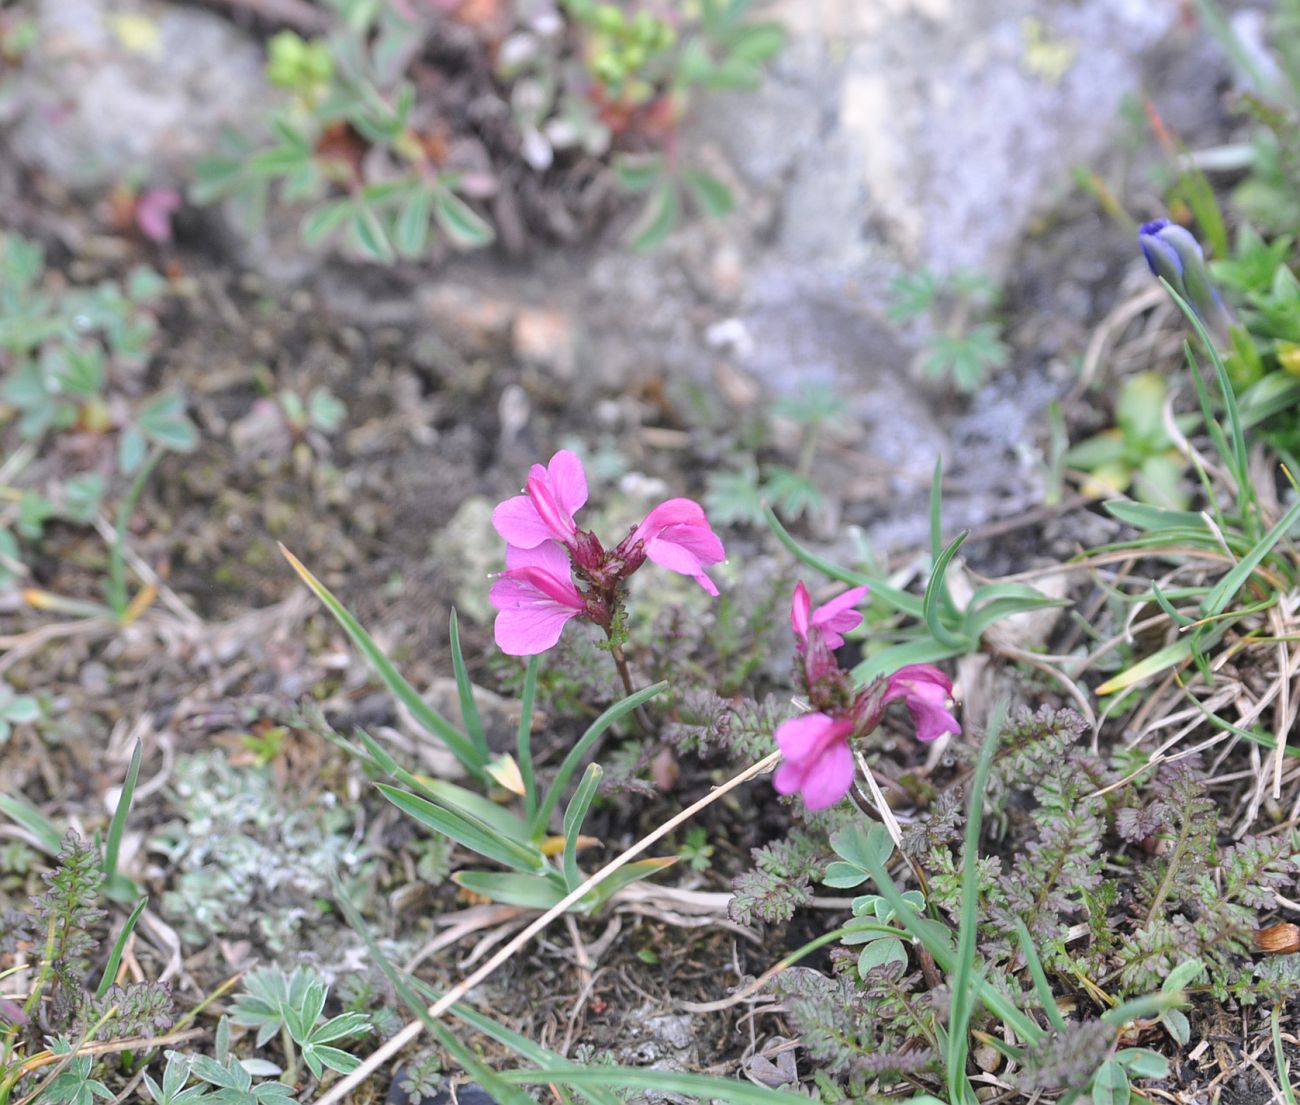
x: 1173, y: 253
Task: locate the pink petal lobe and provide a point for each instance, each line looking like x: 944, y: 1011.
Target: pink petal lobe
x: 925, y: 691
x: 838, y: 616
x: 799, y: 738
x: 568, y: 481
x: 800, y: 604
x: 550, y: 556
x: 526, y: 631
x: 829, y: 779
x: 519, y: 524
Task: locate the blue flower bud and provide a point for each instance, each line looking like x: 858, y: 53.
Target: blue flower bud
x: 1172, y: 252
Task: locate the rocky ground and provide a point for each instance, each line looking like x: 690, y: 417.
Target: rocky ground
x: 894, y: 135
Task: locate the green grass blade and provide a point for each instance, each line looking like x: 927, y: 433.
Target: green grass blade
x: 579, y: 750
x: 461, y: 747
x: 497, y: 1089
x: 116, y: 827
x: 1171, y: 612
x: 115, y: 585
x: 467, y: 831
x: 519, y: 1044
x: 511, y: 888
x: 1279, y: 1057
x: 936, y: 591
x: 595, y: 898
x: 936, y: 535
x: 30, y: 818
x: 984, y: 614
x: 1226, y: 589
x: 734, y: 1091
x: 888, y: 661
x: 524, y: 751
x: 119, y: 946
x: 963, y: 973
x: 936, y: 939
x: 1177, y: 653
x: 1147, y: 517
x: 1041, y: 986
x: 1239, y: 466
x: 899, y: 599
x: 574, y: 816
x: 465, y: 691
x: 1222, y: 30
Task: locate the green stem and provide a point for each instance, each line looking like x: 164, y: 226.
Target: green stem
x: 290, y: 1076
x: 116, y: 585
x: 1175, y: 859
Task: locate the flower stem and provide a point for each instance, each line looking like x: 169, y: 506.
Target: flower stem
x: 639, y: 718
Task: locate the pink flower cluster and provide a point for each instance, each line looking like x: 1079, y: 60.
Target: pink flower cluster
x: 818, y: 761
x: 556, y: 571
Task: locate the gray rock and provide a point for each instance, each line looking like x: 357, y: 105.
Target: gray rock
x: 934, y: 127
x: 129, y: 88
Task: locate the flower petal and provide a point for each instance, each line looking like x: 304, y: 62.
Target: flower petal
x: 837, y: 617
x: 925, y: 691
x: 550, y: 556
x: 800, y: 605
x: 800, y: 738
x: 567, y: 480
x: 519, y: 524
x: 528, y: 630
x: 828, y: 780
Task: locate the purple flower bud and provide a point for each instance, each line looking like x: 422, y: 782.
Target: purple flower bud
x: 1173, y: 253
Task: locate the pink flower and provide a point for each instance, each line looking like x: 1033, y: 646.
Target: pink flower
x: 545, y: 511
x: 677, y: 537
x: 833, y: 619
x: 925, y: 691
x: 154, y: 211
x: 535, y: 597
x: 818, y: 760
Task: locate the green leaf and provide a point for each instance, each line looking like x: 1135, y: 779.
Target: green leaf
x: 638, y: 172
x: 1110, y: 1084
x: 119, y: 946
x: 880, y: 589
x: 461, y: 747
x: 657, y: 218
x: 113, y: 842
x: 1176, y: 653
x: 465, y: 692
x: 476, y: 806
x: 367, y: 236
x: 574, y: 816
x: 713, y: 197
x: 1226, y: 589
x: 734, y: 1091
x: 881, y: 953
x: 758, y: 42
x: 131, y: 450
x: 458, y: 221
x: 467, y: 831
x: 934, y: 589
x: 594, y: 731
x: 529, y: 891
x: 45, y: 831
x: 1153, y: 518
x: 324, y: 221
x: 888, y: 661
x: 411, y: 231
x: 163, y: 421
x: 625, y: 876
x: 1142, y: 1062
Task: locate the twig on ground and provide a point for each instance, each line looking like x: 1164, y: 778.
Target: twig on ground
x: 378, y: 1058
